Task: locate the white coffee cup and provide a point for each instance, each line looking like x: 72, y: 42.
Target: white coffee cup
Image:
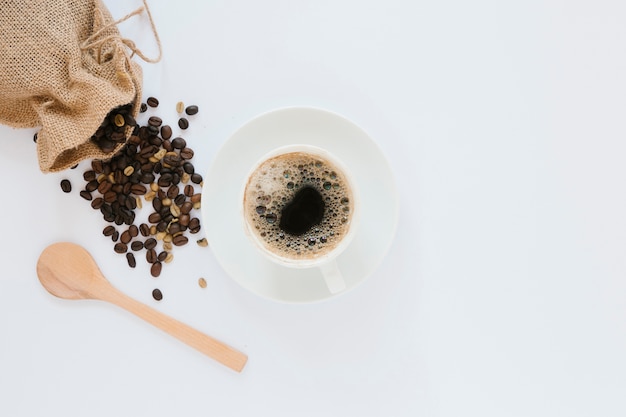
x: 326, y: 262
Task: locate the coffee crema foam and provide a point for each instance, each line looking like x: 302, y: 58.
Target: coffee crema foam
x: 273, y: 186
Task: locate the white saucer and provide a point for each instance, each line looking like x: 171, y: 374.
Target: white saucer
x: 298, y: 125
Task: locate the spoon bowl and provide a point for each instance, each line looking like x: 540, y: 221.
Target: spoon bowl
x: 68, y: 271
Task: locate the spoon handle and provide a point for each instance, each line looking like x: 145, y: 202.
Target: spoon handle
x: 186, y: 334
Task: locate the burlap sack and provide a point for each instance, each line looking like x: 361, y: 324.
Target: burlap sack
x: 63, y: 66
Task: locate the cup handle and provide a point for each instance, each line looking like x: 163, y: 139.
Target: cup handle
x: 332, y: 276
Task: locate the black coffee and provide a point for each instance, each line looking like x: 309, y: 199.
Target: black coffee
x: 305, y: 210
x: 299, y: 205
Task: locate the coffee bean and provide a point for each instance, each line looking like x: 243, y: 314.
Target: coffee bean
x: 92, y: 186
x: 110, y: 196
x: 165, y: 180
x: 115, y: 236
x: 138, y: 189
x: 89, y: 175
x: 108, y: 231
x: 119, y: 120
x: 203, y: 242
x: 130, y: 258
x: 104, y: 187
x: 174, y: 228
x: 150, y: 243
x: 183, y: 123
x: 162, y: 255
x: 66, y: 186
x: 96, y: 166
x: 86, y: 195
x: 125, y: 237
x: 156, y: 293
x: 186, y: 153
x: 120, y: 247
x: 194, y: 225
x: 143, y: 108
x: 144, y: 229
x: 179, y: 143
x: 184, y: 220
x: 151, y: 256
x: 180, y: 240
x: 35, y: 136
x: 202, y: 282
x: 136, y: 245
x: 152, y: 102
x: 191, y: 110
x: 196, y: 178
x: 172, y: 192
x: 133, y: 231
x: 155, y: 121
x: 186, y: 207
x: 161, y: 226
x: 97, y: 203
x: 155, y: 271
x: 166, y: 132
x: 154, y: 218
x: 130, y: 120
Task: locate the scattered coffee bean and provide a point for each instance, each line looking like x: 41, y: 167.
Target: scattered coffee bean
x: 186, y: 153
x: 155, y: 121
x: 108, y: 231
x: 196, y: 178
x: 120, y: 247
x: 180, y: 240
x: 162, y: 256
x: 157, y: 294
x: 136, y: 245
x: 150, y: 243
x: 130, y: 258
x: 144, y: 229
x: 166, y: 132
x: 179, y: 143
x: 97, y: 203
x: 86, y: 195
x: 203, y: 242
x: 194, y: 225
x: 155, y: 269
x: 180, y: 106
x: 152, y: 102
x: 66, y: 186
x: 183, y: 123
x: 191, y: 110
x: 35, y: 136
x: 151, y: 256
x: 202, y: 282
x: 125, y: 237
x: 143, y: 108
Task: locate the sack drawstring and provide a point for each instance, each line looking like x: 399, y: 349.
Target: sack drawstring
x: 93, y: 41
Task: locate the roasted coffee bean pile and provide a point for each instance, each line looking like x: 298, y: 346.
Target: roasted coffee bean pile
x: 154, y: 168
x: 112, y: 131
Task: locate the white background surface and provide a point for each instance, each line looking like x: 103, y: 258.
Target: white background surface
x: 504, y: 293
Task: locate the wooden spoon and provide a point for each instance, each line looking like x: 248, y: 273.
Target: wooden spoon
x: 68, y: 271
